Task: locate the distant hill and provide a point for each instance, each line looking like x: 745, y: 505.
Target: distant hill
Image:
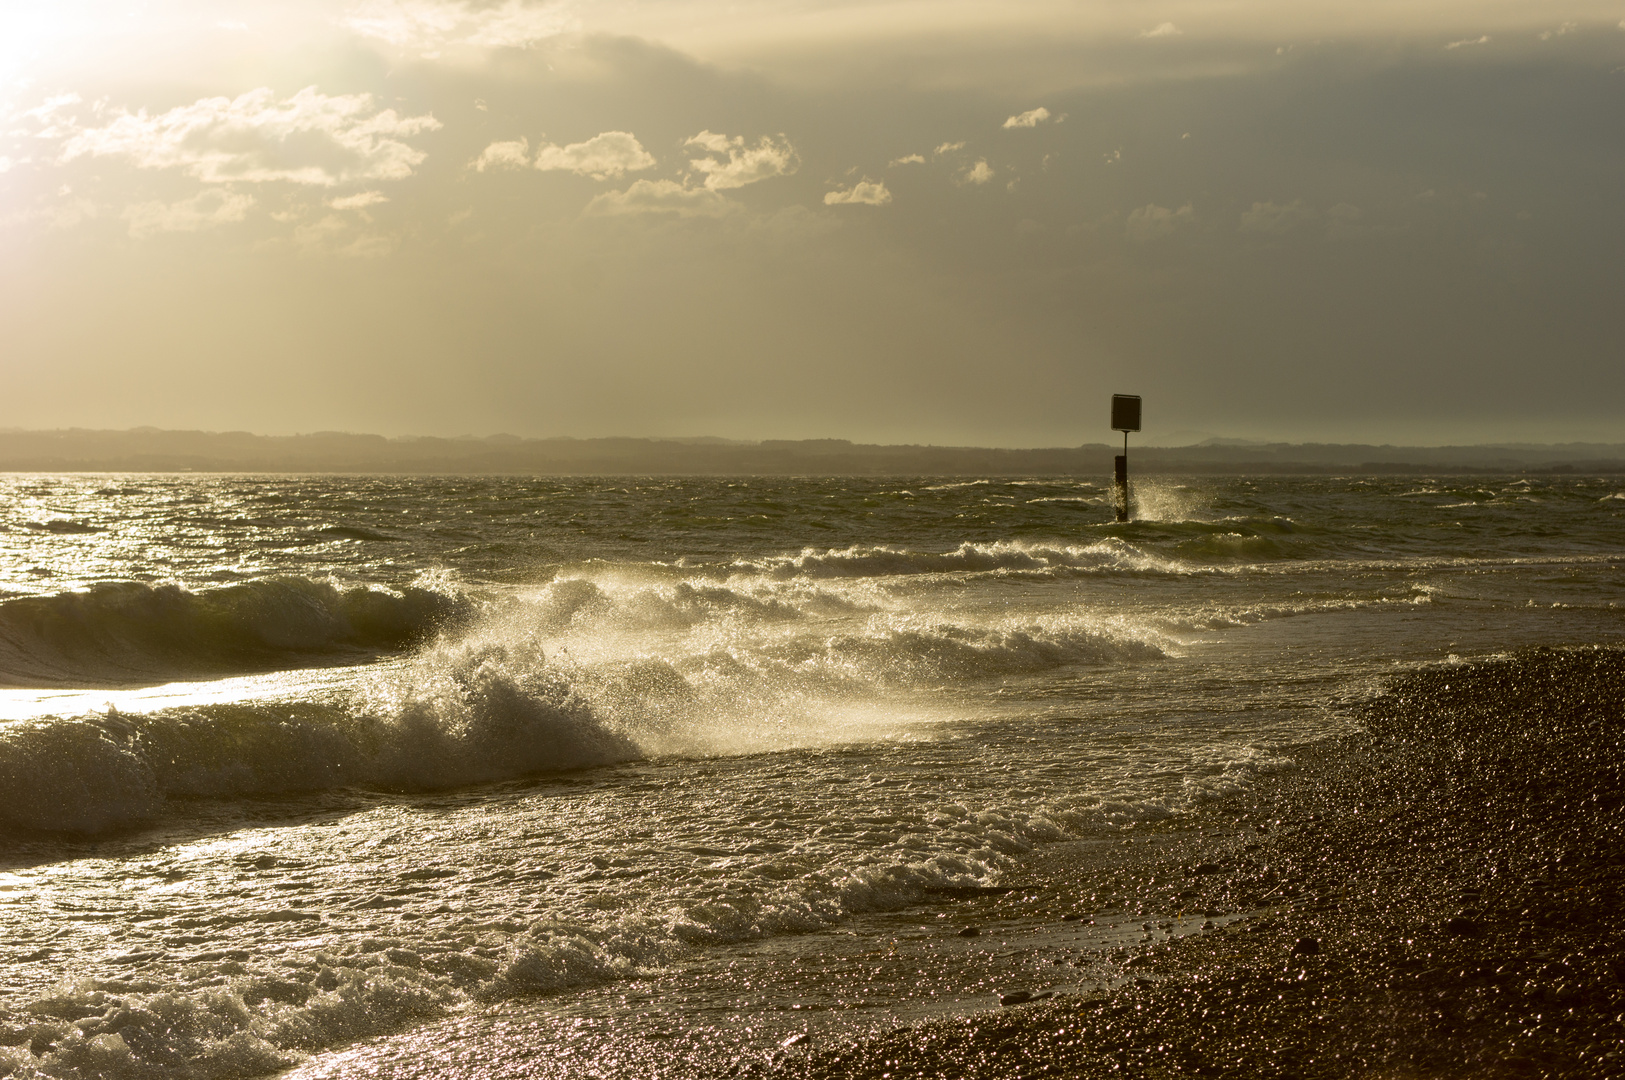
x: 153, y: 450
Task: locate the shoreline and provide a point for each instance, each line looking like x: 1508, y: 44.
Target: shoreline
x: 1451, y: 880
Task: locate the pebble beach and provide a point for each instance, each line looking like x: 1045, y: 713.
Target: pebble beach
x: 1436, y: 896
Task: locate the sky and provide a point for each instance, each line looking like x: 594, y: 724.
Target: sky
x: 890, y: 221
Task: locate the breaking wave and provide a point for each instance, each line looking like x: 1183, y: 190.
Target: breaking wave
x: 461, y: 714
x: 1002, y: 555
x: 120, y: 633
x: 491, y: 704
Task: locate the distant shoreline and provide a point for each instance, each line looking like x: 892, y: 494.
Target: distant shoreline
x: 149, y: 450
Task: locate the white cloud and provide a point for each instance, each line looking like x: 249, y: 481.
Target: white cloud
x: 911, y: 159
x: 662, y: 197
x: 611, y: 153
x: 979, y: 173
x: 1151, y: 221
x: 428, y: 26
x: 947, y: 148
x: 504, y: 155
x: 863, y: 193
x: 1483, y: 40
x: 710, y: 140
x: 1276, y: 218
x: 770, y: 157
x: 1566, y: 28
x: 1166, y: 29
x: 1030, y: 118
x: 310, y: 138
x: 46, y: 110
x: 359, y: 201
x: 206, y: 209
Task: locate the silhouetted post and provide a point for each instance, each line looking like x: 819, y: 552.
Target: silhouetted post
x: 1125, y: 418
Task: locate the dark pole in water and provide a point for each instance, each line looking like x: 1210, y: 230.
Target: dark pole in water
x: 1120, y: 486
x: 1125, y: 418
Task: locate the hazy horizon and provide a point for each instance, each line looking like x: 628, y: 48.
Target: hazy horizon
x: 963, y: 224
x: 1196, y: 440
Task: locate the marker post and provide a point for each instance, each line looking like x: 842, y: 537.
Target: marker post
x: 1125, y: 418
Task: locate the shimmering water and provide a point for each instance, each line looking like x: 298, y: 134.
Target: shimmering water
x: 293, y: 762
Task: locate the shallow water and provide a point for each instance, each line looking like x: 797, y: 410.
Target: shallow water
x: 292, y: 762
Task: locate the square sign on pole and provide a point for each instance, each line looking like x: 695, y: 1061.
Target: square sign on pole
x: 1125, y: 412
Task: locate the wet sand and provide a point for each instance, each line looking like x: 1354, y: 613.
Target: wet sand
x: 1438, y: 896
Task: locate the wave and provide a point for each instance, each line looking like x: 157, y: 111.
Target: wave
x: 902, y: 652
x: 356, y: 532
x: 251, y: 1013
x: 120, y: 633
x: 493, y: 705
x: 458, y: 715
x: 1004, y: 555
x: 227, y: 1011
x: 1137, y: 547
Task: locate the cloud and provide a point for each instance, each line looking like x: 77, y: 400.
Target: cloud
x: 770, y: 157
x: 1275, y: 218
x: 206, y: 209
x: 1343, y: 221
x: 428, y: 26
x: 1030, y: 118
x: 310, y: 138
x: 48, y: 113
x: 1566, y: 28
x: 979, y: 173
x: 863, y: 193
x: 504, y: 155
x: 947, y: 148
x: 1483, y: 40
x: 1151, y: 221
x: 911, y: 159
x: 710, y: 140
x: 333, y: 235
x: 662, y: 197
x: 610, y: 153
x: 1166, y: 29
x: 359, y: 201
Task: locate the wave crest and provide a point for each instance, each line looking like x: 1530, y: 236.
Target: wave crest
x: 460, y: 714
x: 1003, y: 555
x: 119, y: 633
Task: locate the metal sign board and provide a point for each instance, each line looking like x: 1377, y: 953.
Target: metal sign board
x: 1125, y: 412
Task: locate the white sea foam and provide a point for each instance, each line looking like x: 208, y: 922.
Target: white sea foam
x: 1003, y: 555
x: 226, y: 1014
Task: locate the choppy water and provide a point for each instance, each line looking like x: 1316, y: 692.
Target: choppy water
x: 292, y: 762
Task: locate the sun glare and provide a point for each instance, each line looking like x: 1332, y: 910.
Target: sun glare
x: 36, y: 34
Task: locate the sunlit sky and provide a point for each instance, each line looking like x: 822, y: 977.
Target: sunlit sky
x: 890, y: 221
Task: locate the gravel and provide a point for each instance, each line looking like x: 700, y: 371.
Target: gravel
x: 1437, y: 896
